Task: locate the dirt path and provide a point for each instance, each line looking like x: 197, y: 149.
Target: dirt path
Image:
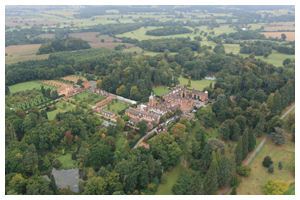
x: 287, y: 112
x: 255, y: 152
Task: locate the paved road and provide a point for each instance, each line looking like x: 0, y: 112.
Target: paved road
x: 287, y: 112
x: 154, y: 131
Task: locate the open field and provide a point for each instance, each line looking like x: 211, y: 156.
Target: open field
x: 232, y: 48
x: 280, y: 26
x: 61, y: 107
x: 88, y: 97
x: 116, y: 106
x: 196, y: 84
x: 290, y: 36
x: 276, y: 58
x: 98, y: 41
x: 170, y: 178
x: 29, y: 85
x: 259, y: 175
x: 160, y: 90
x: 66, y: 161
x: 18, y: 53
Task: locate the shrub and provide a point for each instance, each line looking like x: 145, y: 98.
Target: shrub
x: 267, y: 161
x: 275, y: 187
x: 56, y: 163
x: 271, y: 169
x: 233, y: 191
x: 243, y: 171
x: 280, y: 165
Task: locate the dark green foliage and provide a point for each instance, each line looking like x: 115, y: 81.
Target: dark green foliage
x: 219, y: 49
x: 271, y: 169
x: 243, y: 171
x: 280, y: 166
x: 257, y: 48
x: 38, y: 185
x: 164, y: 148
x: 252, y: 141
x: 170, y: 30
x: 100, y: 155
x: 239, y: 153
x: 172, y: 45
x: 142, y: 127
x: 67, y: 44
x: 230, y: 130
x: 211, y: 177
x: 277, y: 136
x: 267, y: 161
x: 189, y: 183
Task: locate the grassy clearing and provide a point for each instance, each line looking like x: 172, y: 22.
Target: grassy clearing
x: 160, y: 90
x: 276, y: 58
x: 29, y: 85
x: 18, y: 53
x: 66, y: 161
x: 61, y: 107
x: 88, y: 97
x: 196, y: 84
x: 169, y: 179
x: 259, y: 175
x: 116, y: 106
x: 232, y: 48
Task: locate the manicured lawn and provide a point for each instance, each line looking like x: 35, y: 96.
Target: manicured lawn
x: 116, y: 106
x: 170, y: 178
x: 160, y: 90
x: 66, y: 161
x: 196, y: 84
x: 61, y: 107
x: 259, y: 175
x: 88, y: 97
x: 29, y: 85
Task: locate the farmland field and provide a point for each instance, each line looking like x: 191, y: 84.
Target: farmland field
x: 96, y: 40
x: 196, y: 84
x: 290, y: 36
x: 18, y: 53
x: 259, y: 175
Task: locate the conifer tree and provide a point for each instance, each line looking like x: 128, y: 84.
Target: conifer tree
x: 239, y: 153
x: 211, y: 177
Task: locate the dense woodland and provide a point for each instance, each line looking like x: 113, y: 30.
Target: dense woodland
x: 168, y: 31
x: 67, y: 44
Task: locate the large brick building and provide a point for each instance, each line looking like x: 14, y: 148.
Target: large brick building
x: 180, y: 98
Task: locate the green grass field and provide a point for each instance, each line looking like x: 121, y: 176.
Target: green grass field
x: 196, y: 84
x: 116, y: 106
x: 88, y: 97
x: 259, y: 175
x: 232, y: 48
x: 66, y: 161
x: 29, y: 85
x: 276, y: 58
x: 170, y: 179
x: 61, y: 107
x: 160, y: 90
